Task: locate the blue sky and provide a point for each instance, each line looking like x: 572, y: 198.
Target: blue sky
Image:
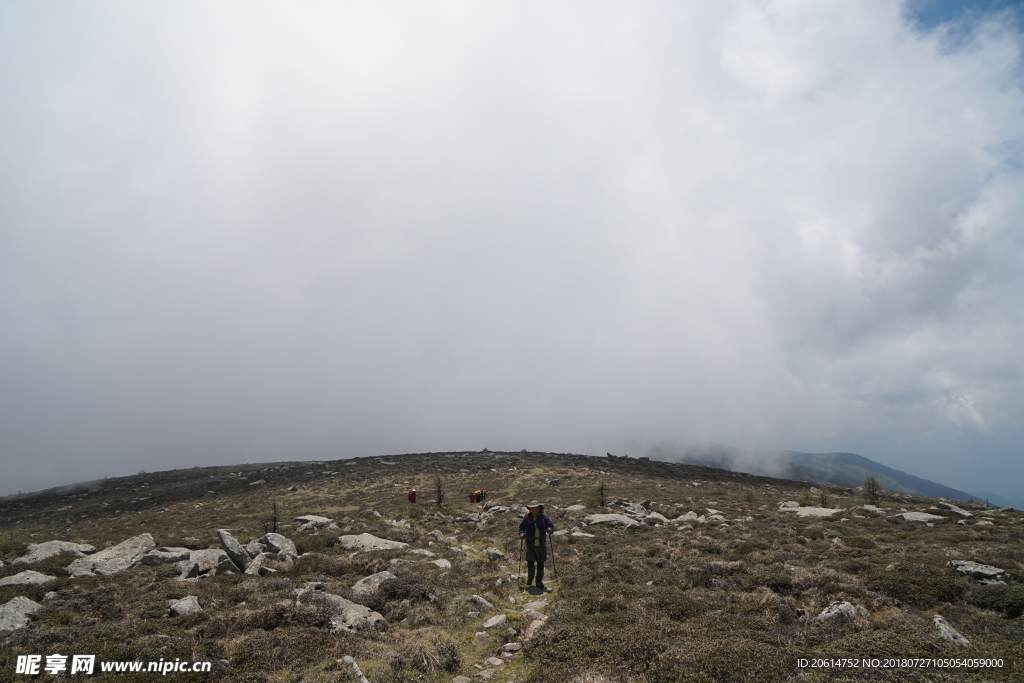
x: 235, y: 233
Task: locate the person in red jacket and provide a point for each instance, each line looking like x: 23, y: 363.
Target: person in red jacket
x: 412, y: 495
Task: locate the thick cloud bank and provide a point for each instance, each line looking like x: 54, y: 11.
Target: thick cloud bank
x: 242, y: 232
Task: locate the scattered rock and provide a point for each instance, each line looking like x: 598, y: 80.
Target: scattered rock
x: 948, y: 632
x: 609, y: 519
x: 788, y: 504
x: 690, y: 516
x: 436, y: 535
x: 656, y: 518
x: 461, y: 679
x: 189, y: 570
x: 125, y: 554
x: 956, y: 509
x: 486, y: 674
x: 496, y: 620
x: 493, y: 554
x: 371, y: 583
x: 367, y: 542
x: 254, y: 548
x: 234, y: 549
x: 400, y: 562
x: 279, y: 544
x: 984, y: 573
x: 309, y: 522
x: 984, y: 522
x: 257, y: 482
x: 811, y: 511
x: 575, y: 508
x: 421, y: 551
x: 494, y: 661
x: 347, y: 615
x: 443, y: 564
x: 187, y: 605
x: 161, y: 556
x: 26, y: 578
x: 532, y: 629
x: 840, y: 610
x: 37, y: 552
x: 482, y: 602
x: 256, y: 565
x: 511, y: 647
x: 15, y: 614
x: 920, y: 517
x: 209, y: 559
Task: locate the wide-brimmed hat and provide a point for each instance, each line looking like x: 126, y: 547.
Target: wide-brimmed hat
x: 534, y: 504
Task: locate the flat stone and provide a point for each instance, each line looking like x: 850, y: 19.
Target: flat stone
x: 656, y: 518
x: 234, y: 549
x: 609, y: 519
x: 576, y: 508
x: 421, y: 551
x: 493, y: 554
x: 511, y: 647
x: 443, y: 564
x: 483, y: 602
x: 26, y: 578
x: 279, y: 544
x: 494, y: 661
x: 582, y: 534
x: 948, y: 632
x: 399, y: 562
x: 159, y: 556
x: 985, y: 573
x: 315, y: 519
x: 811, y: 511
x: 15, y: 614
x: 531, y: 630
x: 367, y: 542
x: 920, y: 517
x: 371, y: 584
x: 956, y: 509
x: 496, y: 620
x: 37, y: 552
x: 112, y: 560
x: 186, y: 605
x: 486, y: 674
x: 347, y: 615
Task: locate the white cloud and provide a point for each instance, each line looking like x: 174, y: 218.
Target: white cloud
x: 315, y: 230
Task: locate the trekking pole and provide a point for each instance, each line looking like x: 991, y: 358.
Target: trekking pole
x: 554, y: 565
x: 519, y: 567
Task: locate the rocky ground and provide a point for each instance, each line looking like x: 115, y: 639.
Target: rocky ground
x: 323, y: 571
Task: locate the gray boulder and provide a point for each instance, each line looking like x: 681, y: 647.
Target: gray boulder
x: 984, y: 573
x: 576, y: 508
x: 609, y: 519
x: 655, y: 518
x: 920, y: 517
x: 483, y: 602
x: 493, y: 554
x: 187, y: 605
x: 37, y: 552
x: 15, y: 614
x: 254, y: 548
x: 367, y: 542
x: 840, y: 610
x: 111, y: 560
x: 956, y: 509
x: 279, y: 544
x: 496, y: 620
x: 399, y: 562
x: 371, y: 583
x: 313, y: 519
x: 445, y: 565
x: 436, y: 535
x: 948, y: 632
x: 255, y: 566
x: 26, y: 578
x: 210, y: 559
x: 345, y: 614
x: 188, y: 569
x: 690, y: 516
x: 234, y: 549
x: 165, y: 556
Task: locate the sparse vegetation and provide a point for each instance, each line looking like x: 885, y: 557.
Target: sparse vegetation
x: 731, y: 599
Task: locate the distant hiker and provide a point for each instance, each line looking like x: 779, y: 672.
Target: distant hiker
x: 412, y: 495
x: 472, y: 497
x: 483, y: 494
x: 534, y: 529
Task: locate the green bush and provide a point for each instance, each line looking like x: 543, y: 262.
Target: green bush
x: 919, y: 585
x: 1009, y: 600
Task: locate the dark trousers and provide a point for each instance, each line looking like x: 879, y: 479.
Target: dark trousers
x: 535, y: 554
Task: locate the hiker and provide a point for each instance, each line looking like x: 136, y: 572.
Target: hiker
x: 412, y: 495
x: 534, y: 529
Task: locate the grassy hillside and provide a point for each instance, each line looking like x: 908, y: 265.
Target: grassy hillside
x: 732, y: 597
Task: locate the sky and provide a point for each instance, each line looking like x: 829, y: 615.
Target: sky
x: 249, y: 231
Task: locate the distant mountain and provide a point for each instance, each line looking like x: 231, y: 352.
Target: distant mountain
x: 841, y: 469
x: 1016, y: 502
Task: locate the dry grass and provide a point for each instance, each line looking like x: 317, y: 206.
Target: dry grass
x: 730, y: 602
